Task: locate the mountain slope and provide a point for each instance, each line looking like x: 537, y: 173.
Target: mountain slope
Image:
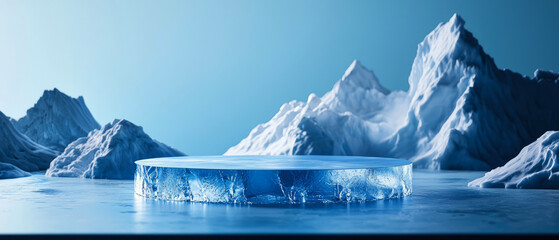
x: 56, y: 120
x: 109, y: 153
x: 8, y: 171
x: 537, y: 166
x: 465, y: 113
x: 342, y: 122
x: 20, y: 151
x: 461, y: 111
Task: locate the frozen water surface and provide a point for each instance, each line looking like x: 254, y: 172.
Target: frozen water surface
x: 273, y: 179
x: 302, y: 162
x: 441, y: 203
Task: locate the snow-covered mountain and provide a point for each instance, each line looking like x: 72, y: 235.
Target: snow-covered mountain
x: 352, y: 119
x: 537, y: 166
x: 466, y: 113
x: 20, y: 151
x: 109, y: 153
x: 458, y: 112
x: 10, y: 171
x: 56, y: 120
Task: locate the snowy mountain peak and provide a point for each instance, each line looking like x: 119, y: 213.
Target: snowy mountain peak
x: 56, y: 98
x: 457, y: 21
x: 109, y: 152
x: 546, y: 75
x: 48, y: 95
x: 123, y: 126
x: 458, y: 94
x: 56, y: 120
x: 355, y: 66
x: 459, y: 110
x: 449, y: 45
x: 357, y: 76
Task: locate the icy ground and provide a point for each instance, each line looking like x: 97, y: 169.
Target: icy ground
x: 441, y: 202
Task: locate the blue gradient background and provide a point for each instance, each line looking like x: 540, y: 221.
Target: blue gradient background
x: 199, y: 75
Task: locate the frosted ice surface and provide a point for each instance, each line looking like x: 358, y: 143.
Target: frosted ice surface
x: 273, y: 179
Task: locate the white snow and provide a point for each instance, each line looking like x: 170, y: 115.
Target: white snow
x: 455, y: 115
x: 537, y: 166
x: 56, y: 120
x: 10, y: 171
x: 20, y: 151
x: 109, y: 153
x: 355, y: 115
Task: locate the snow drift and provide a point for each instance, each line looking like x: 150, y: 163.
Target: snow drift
x: 537, y: 166
x: 109, y: 153
x: 10, y: 171
x: 457, y: 112
x: 20, y: 151
x: 56, y: 120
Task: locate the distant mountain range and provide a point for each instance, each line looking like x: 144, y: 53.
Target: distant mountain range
x: 461, y: 111
x: 59, y: 124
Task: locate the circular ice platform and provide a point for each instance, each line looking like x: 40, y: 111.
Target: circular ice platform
x: 273, y: 179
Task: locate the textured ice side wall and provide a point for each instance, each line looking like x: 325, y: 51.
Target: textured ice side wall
x: 272, y: 186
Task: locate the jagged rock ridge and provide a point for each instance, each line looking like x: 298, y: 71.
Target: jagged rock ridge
x: 56, y: 120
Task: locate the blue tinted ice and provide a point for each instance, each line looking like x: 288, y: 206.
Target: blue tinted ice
x: 273, y: 179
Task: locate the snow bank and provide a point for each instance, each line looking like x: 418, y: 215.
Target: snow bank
x: 10, y: 171
x: 537, y: 166
x: 57, y: 120
x: 109, y: 153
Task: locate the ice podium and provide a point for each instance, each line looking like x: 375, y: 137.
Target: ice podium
x: 273, y: 179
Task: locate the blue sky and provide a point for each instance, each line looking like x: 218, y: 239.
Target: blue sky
x: 199, y: 75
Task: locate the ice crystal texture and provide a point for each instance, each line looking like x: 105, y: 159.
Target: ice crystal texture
x: 273, y: 179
